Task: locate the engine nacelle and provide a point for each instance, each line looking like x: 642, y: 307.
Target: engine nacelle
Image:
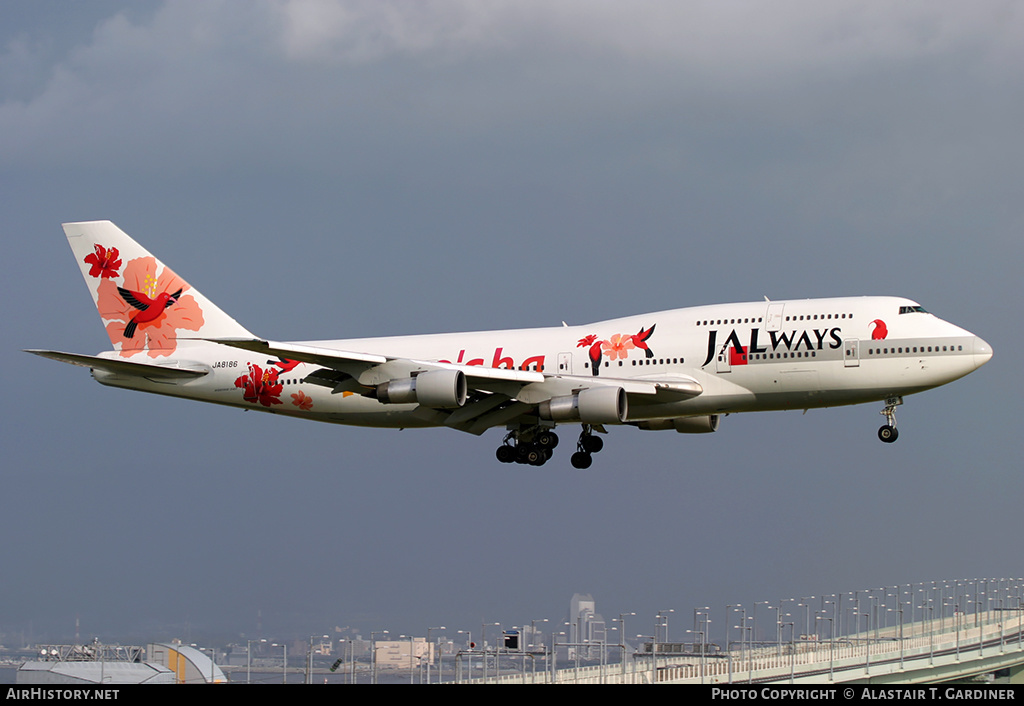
x: 683, y: 425
x: 696, y: 425
x: 437, y: 388
x: 596, y: 405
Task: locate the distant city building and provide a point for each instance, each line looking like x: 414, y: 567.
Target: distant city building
x: 587, y: 630
x: 533, y: 638
x: 403, y: 654
x: 323, y: 647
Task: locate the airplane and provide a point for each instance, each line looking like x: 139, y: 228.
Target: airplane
x: 682, y: 369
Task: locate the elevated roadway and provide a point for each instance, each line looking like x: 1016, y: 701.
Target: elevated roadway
x: 926, y: 652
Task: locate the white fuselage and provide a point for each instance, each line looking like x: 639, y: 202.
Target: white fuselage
x: 747, y: 357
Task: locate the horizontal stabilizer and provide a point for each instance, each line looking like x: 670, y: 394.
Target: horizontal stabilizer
x: 124, y: 367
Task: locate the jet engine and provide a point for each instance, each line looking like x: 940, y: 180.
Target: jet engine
x: 596, y: 405
x: 684, y: 425
x: 437, y: 388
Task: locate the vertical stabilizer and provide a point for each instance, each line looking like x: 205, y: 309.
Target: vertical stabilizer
x: 144, y: 305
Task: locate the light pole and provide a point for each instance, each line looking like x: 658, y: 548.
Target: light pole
x: 622, y: 634
x: 867, y: 643
x: 248, y: 661
x: 373, y: 651
x: 831, y: 642
x: 792, y: 649
x: 554, y: 655
x: 533, y: 655
x: 654, y: 657
x: 662, y: 621
x: 430, y: 655
x: 702, y: 655
x: 728, y: 647
x: 483, y: 648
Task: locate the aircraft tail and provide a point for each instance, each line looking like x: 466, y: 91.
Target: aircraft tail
x: 145, y: 306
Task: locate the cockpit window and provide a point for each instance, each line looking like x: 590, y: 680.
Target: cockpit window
x: 912, y: 310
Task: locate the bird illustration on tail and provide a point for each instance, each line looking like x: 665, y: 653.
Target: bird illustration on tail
x: 149, y: 309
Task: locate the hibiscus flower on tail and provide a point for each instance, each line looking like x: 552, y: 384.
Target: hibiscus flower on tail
x: 146, y: 308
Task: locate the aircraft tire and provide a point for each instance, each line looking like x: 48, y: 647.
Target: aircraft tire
x: 581, y: 459
x: 592, y: 444
x: 888, y: 434
x: 547, y: 439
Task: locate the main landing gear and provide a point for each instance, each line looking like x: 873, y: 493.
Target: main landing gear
x: 533, y: 446
x: 587, y: 445
x: 888, y: 432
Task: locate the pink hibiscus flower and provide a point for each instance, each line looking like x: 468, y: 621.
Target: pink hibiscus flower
x: 157, y: 335
x: 303, y: 401
x: 617, y: 347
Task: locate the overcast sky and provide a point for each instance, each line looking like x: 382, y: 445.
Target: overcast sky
x: 352, y: 169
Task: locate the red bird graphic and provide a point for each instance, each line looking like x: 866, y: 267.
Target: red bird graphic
x: 286, y: 364
x: 595, y: 358
x: 640, y: 340
x: 148, y: 308
x: 880, y: 331
x: 594, y: 353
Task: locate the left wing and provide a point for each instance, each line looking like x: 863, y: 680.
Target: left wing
x: 471, y: 398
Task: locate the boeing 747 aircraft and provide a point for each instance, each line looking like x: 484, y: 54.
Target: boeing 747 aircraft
x: 681, y: 369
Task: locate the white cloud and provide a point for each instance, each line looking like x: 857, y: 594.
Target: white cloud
x: 213, y: 80
x: 367, y: 30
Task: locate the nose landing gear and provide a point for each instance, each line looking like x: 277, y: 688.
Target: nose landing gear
x: 888, y: 432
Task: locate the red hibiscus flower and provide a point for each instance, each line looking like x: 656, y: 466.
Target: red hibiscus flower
x: 301, y: 400
x: 586, y: 341
x: 104, y: 263
x: 261, y: 386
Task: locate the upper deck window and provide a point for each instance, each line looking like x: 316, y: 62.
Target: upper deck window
x: 912, y: 310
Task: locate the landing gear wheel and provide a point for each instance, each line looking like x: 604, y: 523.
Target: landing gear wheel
x: 506, y: 453
x: 535, y: 456
x: 581, y: 459
x: 547, y: 440
x: 588, y: 443
x: 888, y: 434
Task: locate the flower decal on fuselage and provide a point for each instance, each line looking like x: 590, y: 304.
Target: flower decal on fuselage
x: 261, y: 386
x: 616, y: 347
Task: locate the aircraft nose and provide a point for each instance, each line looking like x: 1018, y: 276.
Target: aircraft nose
x: 982, y: 352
